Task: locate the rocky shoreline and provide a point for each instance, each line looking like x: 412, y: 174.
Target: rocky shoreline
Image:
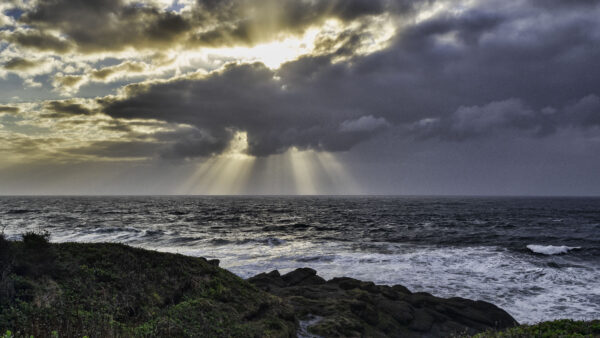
x: 346, y: 307
x: 113, y: 290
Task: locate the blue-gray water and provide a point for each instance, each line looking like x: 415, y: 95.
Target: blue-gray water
x: 470, y: 247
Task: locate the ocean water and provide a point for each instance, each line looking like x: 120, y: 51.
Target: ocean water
x: 538, y: 258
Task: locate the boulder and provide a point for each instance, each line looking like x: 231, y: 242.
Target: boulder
x: 352, y: 308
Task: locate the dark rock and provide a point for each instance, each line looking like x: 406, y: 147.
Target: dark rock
x: 267, y: 281
x: 365, y: 312
x: 401, y: 289
x: 388, y: 292
x: 353, y: 308
x: 214, y: 262
x: 346, y: 283
x: 370, y: 287
x: 297, y: 276
x: 312, y: 280
x: 274, y: 273
x: 402, y: 312
x: 422, y: 321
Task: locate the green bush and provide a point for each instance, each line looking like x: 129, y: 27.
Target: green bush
x: 557, y: 328
x: 36, y: 240
x: 4, y: 252
x: 6, y: 265
x: 38, y: 255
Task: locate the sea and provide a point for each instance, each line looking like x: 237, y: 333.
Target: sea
x: 537, y: 258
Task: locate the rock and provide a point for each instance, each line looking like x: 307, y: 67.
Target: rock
x: 297, y: 276
x: 401, y: 311
x: 353, y: 308
x: 267, y: 281
x: 365, y: 312
x: 346, y: 283
x: 312, y: 280
x: 214, y: 262
x: 389, y: 293
x: 401, y: 289
x: 422, y: 321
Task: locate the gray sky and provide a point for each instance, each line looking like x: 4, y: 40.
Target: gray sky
x: 284, y: 97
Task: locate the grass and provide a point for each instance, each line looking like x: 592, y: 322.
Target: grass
x: 113, y: 290
x: 557, y: 328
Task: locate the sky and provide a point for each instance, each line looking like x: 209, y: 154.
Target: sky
x: 403, y: 97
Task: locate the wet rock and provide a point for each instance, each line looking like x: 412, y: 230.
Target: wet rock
x: 353, y: 308
x: 401, y: 289
x: 214, y: 262
x: 267, y: 281
x: 400, y: 311
x: 388, y: 292
x: 346, y: 283
x: 422, y: 321
x: 302, y: 276
x: 365, y: 312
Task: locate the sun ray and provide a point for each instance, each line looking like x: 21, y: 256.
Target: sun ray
x: 224, y: 174
x: 343, y: 182
x: 303, y: 172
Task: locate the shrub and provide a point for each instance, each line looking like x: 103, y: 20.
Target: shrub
x: 36, y: 240
x: 6, y: 263
x: 38, y: 256
x: 4, y: 252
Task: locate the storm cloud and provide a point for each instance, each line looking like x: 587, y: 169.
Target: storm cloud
x: 386, y: 83
x: 97, y: 26
x: 458, y: 77
x: 276, y: 113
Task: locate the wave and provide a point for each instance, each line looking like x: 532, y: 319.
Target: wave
x: 270, y: 241
x: 19, y: 211
x: 109, y: 230
x: 551, y: 249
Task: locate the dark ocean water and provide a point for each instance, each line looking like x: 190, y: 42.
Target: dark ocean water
x: 538, y: 258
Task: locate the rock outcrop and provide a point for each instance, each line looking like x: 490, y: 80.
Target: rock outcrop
x: 113, y: 290
x: 352, y: 308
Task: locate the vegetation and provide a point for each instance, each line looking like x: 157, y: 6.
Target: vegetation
x: 557, y: 328
x: 111, y: 290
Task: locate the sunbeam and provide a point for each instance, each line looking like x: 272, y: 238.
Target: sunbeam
x: 295, y: 172
x: 225, y: 174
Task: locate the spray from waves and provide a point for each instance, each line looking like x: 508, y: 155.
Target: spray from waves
x: 551, y: 249
x: 526, y: 286
x: 470, y: 247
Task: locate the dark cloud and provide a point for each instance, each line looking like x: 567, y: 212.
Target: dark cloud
x: 66, y: 108
x: 96, y: 26
x: 458, y: 76
x: 250, y: 22
x: 275, y: 113
x: 584, y: 113
x: 125, y: 67
x: 489, y: 119
x: 38, y: 40
x: 18, y: 63
x: 566, y: 4
x: 9, y: 109
x: 68, y: 83
x: 118, y: 149
x: 106, y: 24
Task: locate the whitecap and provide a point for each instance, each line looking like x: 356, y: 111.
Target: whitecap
x: 551, y: 249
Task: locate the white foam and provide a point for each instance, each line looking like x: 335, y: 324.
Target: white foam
x: 522, y: 284
x: 551, y: 249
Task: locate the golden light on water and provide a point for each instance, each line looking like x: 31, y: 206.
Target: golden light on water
x: 306, y: 172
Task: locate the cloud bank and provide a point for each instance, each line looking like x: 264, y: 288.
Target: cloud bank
x: 167, y: 80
